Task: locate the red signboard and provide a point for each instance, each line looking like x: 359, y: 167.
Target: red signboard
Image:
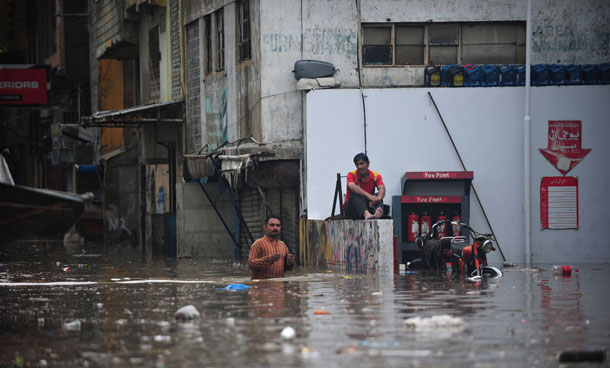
x: 559, y: 202
x: 564, y: 150
x: 430, y: 199
x: 439, y: 175
x: 23, y: 86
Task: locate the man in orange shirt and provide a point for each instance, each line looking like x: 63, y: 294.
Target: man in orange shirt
x: 269, y: 256
x: 361, y: 201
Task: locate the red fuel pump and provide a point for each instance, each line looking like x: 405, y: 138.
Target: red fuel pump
x: 425, y: 223
x: 457, y: 229
x: 441, y: 230
x: 412, y: 227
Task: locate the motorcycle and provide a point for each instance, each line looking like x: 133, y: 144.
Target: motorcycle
x: 453, y: 254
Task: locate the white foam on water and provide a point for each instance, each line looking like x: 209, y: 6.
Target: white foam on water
x: 54, y: 283
x: 165, y: 282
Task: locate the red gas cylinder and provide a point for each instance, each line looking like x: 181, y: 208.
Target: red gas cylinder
x: 457, y: 229
x: 441, y: 230
x: 412, y: 227
x: 425, y: 223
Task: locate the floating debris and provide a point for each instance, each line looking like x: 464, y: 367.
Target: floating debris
x: 187, y: 312
x: 288, y: 333
x: 443, y: 322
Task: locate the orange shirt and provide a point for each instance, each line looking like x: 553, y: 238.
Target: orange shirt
x: 261, y: 266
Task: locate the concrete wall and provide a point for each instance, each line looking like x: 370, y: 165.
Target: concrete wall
x: 563, y: 32
x: 404, y: 133
x: 200, y: 231
x: 347, y: 245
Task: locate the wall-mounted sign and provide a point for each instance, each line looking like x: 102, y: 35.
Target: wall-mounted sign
x: 23, y: 86
x: 559, y: 202
x: 564, y: 149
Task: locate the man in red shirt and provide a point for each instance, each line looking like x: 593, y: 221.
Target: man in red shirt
x: 361, y: 201
x: 269, y: 256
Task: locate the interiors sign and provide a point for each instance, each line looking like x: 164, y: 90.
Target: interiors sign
x: 23, y: 86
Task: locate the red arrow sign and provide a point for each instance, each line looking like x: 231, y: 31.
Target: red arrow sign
x: 564, y: 149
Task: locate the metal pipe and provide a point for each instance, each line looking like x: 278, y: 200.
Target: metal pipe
x: 527, y: 141
x: 464, y: 168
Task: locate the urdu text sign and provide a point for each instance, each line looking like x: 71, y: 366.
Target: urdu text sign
x: 559, y: 202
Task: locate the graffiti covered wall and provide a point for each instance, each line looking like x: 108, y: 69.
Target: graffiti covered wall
x: 354, y: 246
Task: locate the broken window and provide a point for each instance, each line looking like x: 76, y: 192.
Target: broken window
x: 220, y: 40
x: 391, y: 44
x: 243, y: 22
x: 377, y: 45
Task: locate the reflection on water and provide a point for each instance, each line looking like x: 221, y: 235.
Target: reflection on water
x: 112, y: 308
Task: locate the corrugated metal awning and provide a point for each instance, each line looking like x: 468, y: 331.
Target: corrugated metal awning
x: 164, y: 112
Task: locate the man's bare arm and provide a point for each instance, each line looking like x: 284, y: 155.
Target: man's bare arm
x: 357, y: 190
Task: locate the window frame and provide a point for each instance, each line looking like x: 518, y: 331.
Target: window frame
x: 242, y: 22
x: 208, y: 65
x: 426, y: 40
x: 220, y: 40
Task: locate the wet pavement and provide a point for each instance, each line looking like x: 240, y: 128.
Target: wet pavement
x: 112, y: 308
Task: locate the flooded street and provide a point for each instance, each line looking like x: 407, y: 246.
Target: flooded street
x: 111, y: 308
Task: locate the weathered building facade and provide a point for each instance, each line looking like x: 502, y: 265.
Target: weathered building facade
x: 228, y: 65
x: 42, y: 140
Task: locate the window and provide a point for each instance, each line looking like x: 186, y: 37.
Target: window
x: 443, y: 43
x: 220, y: 40
x: 243, y: 22
x: 207, y: 66
x: 154, y: 75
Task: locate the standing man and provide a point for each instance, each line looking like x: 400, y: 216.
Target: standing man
x: 361, y: 201
x: 269, y: 256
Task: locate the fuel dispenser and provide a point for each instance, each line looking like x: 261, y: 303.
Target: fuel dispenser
x: 427, y: 197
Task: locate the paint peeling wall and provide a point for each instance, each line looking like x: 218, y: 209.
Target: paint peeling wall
x: 573, y: 32
x: 563, y: 32
x: 348, y: 245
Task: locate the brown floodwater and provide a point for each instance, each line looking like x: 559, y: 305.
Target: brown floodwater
x: 114, y: 308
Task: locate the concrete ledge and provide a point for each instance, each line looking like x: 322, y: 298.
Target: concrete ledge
x: 354, y: 246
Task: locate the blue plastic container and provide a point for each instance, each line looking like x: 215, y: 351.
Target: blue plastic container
x: 472, y: 76
x: 507, y: 75
x: 520, y: 75
x: 491, y: 75
x: 591, y: 74
x: 541, y: 75
x: 605, y: 73
x: 452, y: 76
x: 560, y: 75
x: 574, y: 74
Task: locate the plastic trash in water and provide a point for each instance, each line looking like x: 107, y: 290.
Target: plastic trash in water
x: 237, y: 287
x: 563, y: 270
x: 72, y: 326
x: 187, y: 312
x: 288, y: 333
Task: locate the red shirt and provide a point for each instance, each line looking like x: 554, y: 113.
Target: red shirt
x: 368, y: 183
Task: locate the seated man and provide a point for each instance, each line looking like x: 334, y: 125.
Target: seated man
x: 361, y: 201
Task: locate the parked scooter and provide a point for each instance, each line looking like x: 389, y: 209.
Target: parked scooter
x: 453, y: 254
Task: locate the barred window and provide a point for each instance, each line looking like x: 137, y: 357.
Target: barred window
x: 220, y: 40
x: 391, y: 44
x: 243, y: 23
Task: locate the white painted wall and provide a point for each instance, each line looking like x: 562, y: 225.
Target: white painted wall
x: 404, y: 133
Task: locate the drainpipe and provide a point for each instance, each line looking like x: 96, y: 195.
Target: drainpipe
x: 527, y: 141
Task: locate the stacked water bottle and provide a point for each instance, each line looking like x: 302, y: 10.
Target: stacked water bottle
x: 491, y: 75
